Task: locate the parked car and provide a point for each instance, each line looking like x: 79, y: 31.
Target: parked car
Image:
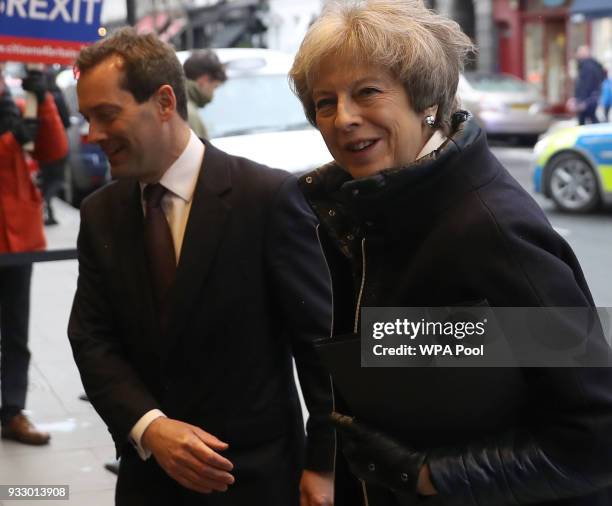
x: 87, y: 168
x: 254, y: 113
x: 504, y: 105
x: 573, y: 167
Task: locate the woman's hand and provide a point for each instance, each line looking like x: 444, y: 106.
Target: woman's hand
x: 379, y: 459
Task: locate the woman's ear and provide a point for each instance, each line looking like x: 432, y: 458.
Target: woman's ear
x: 429, y: 120
x: 431, y: 111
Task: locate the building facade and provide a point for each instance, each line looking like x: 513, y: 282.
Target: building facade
x: 476, y: 20
x: 536, y: 40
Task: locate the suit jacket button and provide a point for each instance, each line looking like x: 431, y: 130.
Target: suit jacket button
x: 404, y: 477
x: 371, y: 467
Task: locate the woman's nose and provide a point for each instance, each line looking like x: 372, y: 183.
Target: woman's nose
x: 347, y: 114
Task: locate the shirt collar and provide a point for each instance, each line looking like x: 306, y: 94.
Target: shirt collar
x: 182, y: 176
x: 434, y: 142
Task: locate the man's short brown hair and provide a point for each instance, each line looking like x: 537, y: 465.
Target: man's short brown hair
x: 204, y: 62
x: 149, y: 64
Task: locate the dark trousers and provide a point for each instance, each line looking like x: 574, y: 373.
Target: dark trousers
x: 51, y: 182
x: 14, y: 353
x: 588, y: 113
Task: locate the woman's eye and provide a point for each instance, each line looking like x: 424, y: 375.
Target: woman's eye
x: 366, y: 92
x: 323, y: 103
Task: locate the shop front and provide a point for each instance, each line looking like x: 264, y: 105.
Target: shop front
x: 536, y: 42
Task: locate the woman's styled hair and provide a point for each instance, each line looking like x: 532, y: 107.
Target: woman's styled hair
x: 422, y: 49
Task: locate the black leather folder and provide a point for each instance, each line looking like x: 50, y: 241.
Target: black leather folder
x: 421, y: 404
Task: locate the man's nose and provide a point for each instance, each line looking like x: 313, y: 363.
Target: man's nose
x: 96, y: 134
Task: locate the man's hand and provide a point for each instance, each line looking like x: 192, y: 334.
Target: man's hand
x: 316, y: 489
x: 189, y: 455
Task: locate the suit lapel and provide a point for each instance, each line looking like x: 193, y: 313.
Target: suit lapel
x: 134, y: 271
x: 205, y: 226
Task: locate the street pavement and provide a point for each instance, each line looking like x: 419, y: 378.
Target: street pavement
x: 80, y: 443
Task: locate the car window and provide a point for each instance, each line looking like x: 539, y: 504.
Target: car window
x: 497, y: 82
x: 253, y: 104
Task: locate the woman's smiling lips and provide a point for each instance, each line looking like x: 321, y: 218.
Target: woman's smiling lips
x: 360, y: 147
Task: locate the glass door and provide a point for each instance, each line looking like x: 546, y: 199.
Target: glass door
x: 545, y: 59
x: 534, y: 54
x: 556, y: 65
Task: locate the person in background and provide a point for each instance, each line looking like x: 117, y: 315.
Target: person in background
x: 606, y: 97
x: 416, y: 211
x: 52, y: 174
x: 204, y: 74
x: 21, y: 230
x: 588, y: 85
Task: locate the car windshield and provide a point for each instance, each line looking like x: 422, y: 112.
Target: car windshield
x: 253, y: 104
x: 497, y: 82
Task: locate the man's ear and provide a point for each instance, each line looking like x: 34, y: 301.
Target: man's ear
x: 165, y: 100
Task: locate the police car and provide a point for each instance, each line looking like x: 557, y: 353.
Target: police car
x: 573, y: 167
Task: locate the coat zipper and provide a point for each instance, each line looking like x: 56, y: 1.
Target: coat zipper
x: 331, y: 331
x: 364, y: 489
x: 363, y: 271
x: 363, y: 275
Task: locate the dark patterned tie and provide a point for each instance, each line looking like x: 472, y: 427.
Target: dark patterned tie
x: 159, y: 249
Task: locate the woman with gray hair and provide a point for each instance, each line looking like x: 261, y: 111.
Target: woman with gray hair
x: 416, y: 211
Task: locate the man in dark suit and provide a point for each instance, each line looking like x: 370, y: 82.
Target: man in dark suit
x: 200, y: 276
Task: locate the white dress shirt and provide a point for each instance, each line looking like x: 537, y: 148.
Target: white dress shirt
x: 180, y: 179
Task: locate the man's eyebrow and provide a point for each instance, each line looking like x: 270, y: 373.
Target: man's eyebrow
x: 102, y: 108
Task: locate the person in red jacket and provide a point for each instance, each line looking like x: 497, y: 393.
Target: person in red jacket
x: 21, y: 230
